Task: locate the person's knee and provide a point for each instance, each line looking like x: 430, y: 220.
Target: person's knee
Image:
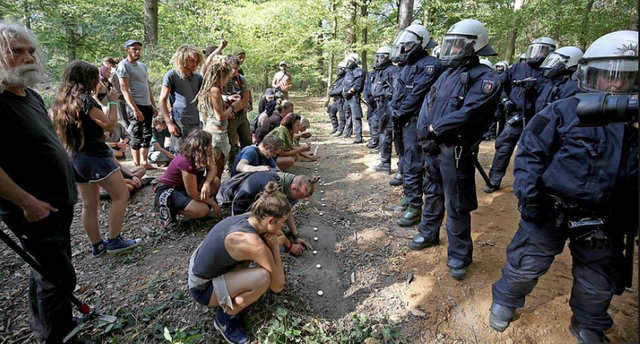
x: 262, y: 279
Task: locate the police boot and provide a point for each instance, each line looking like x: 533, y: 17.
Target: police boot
x: 491, y: 189
x: 402, y: 206
x: 337, y: 133
x: 374, y: 150
x: 586, y: 336
x: 411, y: 217
x: 382, y: 167
x: 457, y: 268
x: 500, y: 317
x: 420, y: 243
x: 397, y: 180
x: 372, y: 144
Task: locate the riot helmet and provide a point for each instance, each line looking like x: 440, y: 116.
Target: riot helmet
x: 352, y: 60
x: 436, y: 52
x: 522, y: 58
x: 610, y: 64
x: 563, y: 60
x: 342, y: 68
x: 411, y: 41
x: 501, y: 66
x: 464, y: 39
x: 487, y: 63
x: 382, y: 58
x: 539, y: 49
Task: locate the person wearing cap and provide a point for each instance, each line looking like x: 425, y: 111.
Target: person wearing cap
x: 159, y: 153
x: 282, y: 81
x: 141, y: 106
x: 180, y: 85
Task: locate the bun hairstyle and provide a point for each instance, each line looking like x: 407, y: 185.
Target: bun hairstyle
x: 283, y: 104
x: 271, y: 202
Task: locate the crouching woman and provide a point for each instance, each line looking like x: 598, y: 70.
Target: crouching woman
x: 216, y: 277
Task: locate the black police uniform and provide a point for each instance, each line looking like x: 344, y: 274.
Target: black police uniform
x: 382, y: 92
x: 353, y: 78
x: 337, y: 106
x: 372, y: 118
x: 565, y: 174
x: 460, y: 103
x: 515, y: 99
x: 413, y: 82
x: 558, y: 87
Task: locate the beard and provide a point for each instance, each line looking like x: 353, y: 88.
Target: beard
x: 22, y: 76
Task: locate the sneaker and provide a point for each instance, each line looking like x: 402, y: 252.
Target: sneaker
x: 99, y: 249
x: 230, y: 328
x: 120, y: 244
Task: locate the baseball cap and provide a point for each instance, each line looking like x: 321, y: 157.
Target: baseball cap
x: 269, y: 92
x: 282, y: 63
x: 130, y: 42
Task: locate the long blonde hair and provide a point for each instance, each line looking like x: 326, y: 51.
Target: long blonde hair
x: 182, y: 54
x: 218, y: 70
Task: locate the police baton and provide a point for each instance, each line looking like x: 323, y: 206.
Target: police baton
x: 474, y: 155
x: 85, y: 309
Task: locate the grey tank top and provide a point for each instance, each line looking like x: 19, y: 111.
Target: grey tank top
x: 211, y: 119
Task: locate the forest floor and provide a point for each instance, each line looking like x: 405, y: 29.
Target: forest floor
x: 374, y: 288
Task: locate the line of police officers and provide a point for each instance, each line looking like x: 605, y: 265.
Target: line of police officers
x: 572, y: 182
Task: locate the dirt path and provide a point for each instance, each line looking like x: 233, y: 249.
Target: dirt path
x: 365, y: 264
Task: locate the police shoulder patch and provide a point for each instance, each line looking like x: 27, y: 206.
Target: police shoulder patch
x: 431, y: 69
x: 488, y: 86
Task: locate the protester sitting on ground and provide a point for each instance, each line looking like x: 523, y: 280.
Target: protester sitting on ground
x: 304, y: 133
x: 214, y: 112
x: 243, y: 189
x: 132, y: 176
x: 189, y: 185
x: 160, y: 153
x: 118, y: 141
x: 269, y: 95
x: 214, y: 277
x: 261, y: 120
x: 282, y: 108
x: 258, y: 158
x: 290, y: 153
x: 80, y: 123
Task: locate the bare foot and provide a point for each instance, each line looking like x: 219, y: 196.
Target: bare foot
x: 149, y: 167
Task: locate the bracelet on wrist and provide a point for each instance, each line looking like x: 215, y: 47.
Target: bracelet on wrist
x: 113, y: 103
x: 288, y: 248
x: 294, y: 237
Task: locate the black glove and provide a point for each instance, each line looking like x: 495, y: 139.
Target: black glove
x: 508, y: 105
x: 530, y: 212
x: 431, y: 147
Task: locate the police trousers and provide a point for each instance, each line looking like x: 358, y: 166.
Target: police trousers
x: 385, y: 139
x: 449, y: 185
x: 373, y: 119
x: 355, y: 123
x: 596, y: 272
x: 413, y: 164
x: 505, y: 145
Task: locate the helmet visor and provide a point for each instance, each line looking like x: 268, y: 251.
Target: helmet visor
x: 538, y: 51
x: 615, y: 76
x: 381, y: 57
x: 555, y: 60
x: 456, y: 46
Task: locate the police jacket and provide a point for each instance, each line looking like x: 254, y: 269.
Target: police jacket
x: 382, y: 86
x: 412, y: 84
x: 353, y: 78
x: 516, y: 94
x: 336, y: 89
x: 559, y: 87
x: 461, y: 102
x: 594, y: 167
x: 368, y: 97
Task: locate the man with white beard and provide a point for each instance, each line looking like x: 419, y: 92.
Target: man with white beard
x: 37, y: 209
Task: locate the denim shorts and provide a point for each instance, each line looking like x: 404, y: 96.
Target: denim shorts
x: 92, y: 169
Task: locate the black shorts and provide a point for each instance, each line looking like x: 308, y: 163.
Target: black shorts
x: 178, y: 200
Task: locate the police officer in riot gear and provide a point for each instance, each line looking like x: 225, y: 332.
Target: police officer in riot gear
x: 337, y: 106
x: 372, y: 112
x: 414, y: 80
x: 519, y: 95
x: 557, y: 68
x: 497, y: 123
x: 382, y: 92
x: 353, y: 85
x: 456, y: 112
x: 581, y: 184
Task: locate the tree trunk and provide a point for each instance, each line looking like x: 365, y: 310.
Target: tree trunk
x: 582, y: 40
x: 151, y: 21
x: 331, y: 69
x: 351, y: 24
x: 511, y: 36
x: 364, y: 14
x: 405, y: 14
